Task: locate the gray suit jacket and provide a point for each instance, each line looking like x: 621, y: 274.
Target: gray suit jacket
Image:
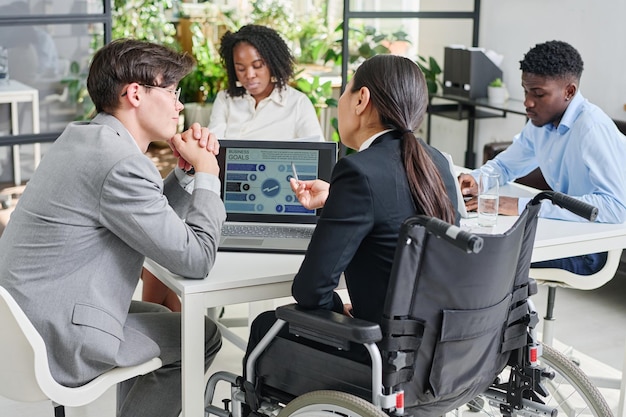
x: 72, y: 253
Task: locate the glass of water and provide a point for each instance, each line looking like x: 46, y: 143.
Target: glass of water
x: 4, y: 65
x: 488, y: 198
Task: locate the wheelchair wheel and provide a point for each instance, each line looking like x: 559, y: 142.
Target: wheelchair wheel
x: 330, y: 404
x: 571, y: 393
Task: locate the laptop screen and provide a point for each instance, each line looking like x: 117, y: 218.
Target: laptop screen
x: 255, y: 178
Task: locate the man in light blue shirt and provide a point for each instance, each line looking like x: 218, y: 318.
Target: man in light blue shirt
x: 579, y: 149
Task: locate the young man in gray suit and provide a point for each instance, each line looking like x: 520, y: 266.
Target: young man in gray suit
x: 96, y: 206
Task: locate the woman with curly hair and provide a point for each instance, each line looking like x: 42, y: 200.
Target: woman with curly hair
x: 259, y: 103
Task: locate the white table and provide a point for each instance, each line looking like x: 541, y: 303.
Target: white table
x: 13, y: 93
x: 235, y: 278
x: 245, y: 277
x: 556, y: 238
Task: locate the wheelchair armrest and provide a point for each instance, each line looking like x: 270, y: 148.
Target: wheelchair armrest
x: 328, y: 327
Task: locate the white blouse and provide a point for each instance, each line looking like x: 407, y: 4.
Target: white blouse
x: 283, y: 115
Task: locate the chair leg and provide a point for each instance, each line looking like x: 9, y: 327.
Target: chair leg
x: 59, y: 411
x: 548, y: 320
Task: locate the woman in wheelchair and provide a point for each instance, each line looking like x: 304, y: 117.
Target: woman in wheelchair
x: 393, y: 175
x: 433, y: 326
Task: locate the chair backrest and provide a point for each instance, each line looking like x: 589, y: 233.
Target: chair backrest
x: 448, y: 325
x: 562, y: 278
x: 25, y: 370
x: 22, y: 353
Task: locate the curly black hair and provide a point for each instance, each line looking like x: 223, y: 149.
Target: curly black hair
x: 270, y: 46
x: 554, y: 59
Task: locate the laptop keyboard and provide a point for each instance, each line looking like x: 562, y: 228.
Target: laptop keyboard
x: 255, y: 230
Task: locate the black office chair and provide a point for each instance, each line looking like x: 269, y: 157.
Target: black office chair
x: 451, y: 320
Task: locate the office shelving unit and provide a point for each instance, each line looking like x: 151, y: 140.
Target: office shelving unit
x: 473, y: 15
x: 348, y: 14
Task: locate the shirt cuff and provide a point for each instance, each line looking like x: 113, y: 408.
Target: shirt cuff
x: 522, y: 202
x: 184, y: 180
x: 206, y: 181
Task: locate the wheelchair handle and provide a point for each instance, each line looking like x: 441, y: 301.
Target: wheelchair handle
x: 578, y: 207
x: 460, y: 238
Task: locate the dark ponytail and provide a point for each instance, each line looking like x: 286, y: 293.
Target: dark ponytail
x: 398, y: 92
x: 426, y: 185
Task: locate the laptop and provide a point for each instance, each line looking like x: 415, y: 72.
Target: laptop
x: 459, y: 194
x: 262, y: 212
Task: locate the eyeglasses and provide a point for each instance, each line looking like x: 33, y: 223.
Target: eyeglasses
x: 176, y: 92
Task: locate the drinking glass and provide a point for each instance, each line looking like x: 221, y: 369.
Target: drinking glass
x: 488, y: 199
x: 4, y: 65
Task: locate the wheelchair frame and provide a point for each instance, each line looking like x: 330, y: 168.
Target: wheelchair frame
x: 522, y: 394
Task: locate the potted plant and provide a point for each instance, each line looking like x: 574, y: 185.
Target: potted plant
x: 200, y: 87
x: 312, y: 41
x: 398, y: 43
x: 320, y: 94
x: 364, y: 42
x: 497, y: 92
x: 431, y: 70
x: 76, y: 84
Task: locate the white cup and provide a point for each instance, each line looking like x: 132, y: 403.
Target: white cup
x: 488, y: 199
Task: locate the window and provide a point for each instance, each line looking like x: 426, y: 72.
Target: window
x: 48, y: 44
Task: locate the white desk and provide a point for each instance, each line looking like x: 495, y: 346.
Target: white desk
x: 245, y: 277
x: 556, y: 238
x: 13, y: 93
x: 235, y: 278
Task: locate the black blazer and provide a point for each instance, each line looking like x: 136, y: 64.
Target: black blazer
x: 359, y: 226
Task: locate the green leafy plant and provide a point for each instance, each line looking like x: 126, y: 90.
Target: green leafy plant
x: 312, y: 40
x: 277, y: 14
x: 364, y: 42
x: 76, y: 83
x: 145, y: 20
x: 431, y: 70
x: 319, y: 93
x: 399, y: 35
x: 496, y: 83
x: 138, y: 19
x: 208, y: 76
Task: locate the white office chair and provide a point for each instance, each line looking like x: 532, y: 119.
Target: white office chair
x: 553, y: 278
x: 24, y: 365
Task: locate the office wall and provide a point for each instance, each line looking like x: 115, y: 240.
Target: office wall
x: 511, y: 27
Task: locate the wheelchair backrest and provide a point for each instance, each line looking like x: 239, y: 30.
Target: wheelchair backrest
x: 448, y: 324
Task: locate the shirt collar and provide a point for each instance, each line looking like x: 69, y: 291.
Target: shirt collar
x: 368, y: 142
x: 571, y: 114
x: 278, y: 96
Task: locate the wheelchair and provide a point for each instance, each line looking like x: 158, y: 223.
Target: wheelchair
x: 457, y: 335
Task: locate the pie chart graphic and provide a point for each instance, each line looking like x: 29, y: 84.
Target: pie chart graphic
x: 270, y: 187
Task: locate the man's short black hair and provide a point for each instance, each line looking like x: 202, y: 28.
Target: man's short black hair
x: 553, y: 59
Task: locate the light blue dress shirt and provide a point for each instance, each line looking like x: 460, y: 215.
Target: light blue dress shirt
x: 584, y: 157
